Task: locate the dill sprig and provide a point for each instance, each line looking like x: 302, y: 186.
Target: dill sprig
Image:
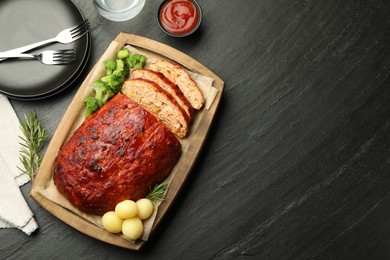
x: 158, y: 192
x: 32, y: 142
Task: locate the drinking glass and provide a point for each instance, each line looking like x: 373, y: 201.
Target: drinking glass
x: 119, y: 10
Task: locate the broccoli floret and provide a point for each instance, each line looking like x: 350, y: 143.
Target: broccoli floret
x: 114, y: 81
x: 136, y: 61
x: 123, y: 53
x: 116, y: 73
x: 110, y: 66
x: 122, y: 67
x: 120, y: 64
x: 119, y: 76
x: 92, y: 104
x: 102, y: 92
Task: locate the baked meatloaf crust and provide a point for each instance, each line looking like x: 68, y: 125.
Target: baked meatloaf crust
x: 120, y: 152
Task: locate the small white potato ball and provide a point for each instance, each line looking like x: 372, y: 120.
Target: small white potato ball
x: 126, y: 209
x: 132, y: 228
x: 145, y: 208
x: 111, y: 222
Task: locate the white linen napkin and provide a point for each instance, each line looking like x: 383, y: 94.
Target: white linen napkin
x: 14, y: 210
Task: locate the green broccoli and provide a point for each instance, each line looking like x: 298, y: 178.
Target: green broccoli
x: 110, y: 66
x: 116, y: 73
x: 102, y: 92
x: 92, y: 104
x: 119, y: 76
x: 123, y: 53
x: 136, y: 61
x: 114, y: 81
x: 122, y: 67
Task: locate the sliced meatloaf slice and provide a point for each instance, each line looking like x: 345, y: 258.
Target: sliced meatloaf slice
x: 180, y: 77
x: 160, y: 103
x: 167, y: 85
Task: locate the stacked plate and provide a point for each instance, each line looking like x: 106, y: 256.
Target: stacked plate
x: 23, y: 22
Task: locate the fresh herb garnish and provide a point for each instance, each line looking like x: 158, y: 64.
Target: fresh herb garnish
x: 32, y: 142
x: 158, y: 192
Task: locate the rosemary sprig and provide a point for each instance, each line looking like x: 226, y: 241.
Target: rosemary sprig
x: 32, y: 142
x: 158, y: 192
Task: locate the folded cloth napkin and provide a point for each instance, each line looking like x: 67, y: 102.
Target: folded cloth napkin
x: 14, y: 210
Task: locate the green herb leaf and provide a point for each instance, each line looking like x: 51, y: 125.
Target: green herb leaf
x: 32, y: 142
x: 158, y: 192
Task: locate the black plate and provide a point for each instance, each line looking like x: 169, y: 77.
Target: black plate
x: 23, y: 22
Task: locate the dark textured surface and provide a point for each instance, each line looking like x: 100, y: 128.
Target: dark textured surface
x: 297, y: 162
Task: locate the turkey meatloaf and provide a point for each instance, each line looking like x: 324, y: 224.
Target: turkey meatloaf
x: 167, y: 85
x: 182, y: 79
x: 120, y: 152
x: 158, y: 102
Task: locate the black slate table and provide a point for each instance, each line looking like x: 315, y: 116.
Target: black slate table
x: 297, y: 163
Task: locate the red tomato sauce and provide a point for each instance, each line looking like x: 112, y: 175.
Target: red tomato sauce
x: 179, y: 16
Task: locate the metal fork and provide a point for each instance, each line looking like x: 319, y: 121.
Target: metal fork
x: 66, y: 36
x: 47, y: 57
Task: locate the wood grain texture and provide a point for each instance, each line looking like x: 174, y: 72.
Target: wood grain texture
x: 295, y: 166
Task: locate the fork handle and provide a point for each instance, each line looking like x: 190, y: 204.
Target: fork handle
x: 6, y: 55
x: 10, y: 53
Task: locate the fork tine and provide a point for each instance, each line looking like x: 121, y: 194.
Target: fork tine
x: 69, y: 57
x: 63, y: 61
x: 80, y: 25
x: 64, y: 52
x: 70, y: 29
x: 81, y: 30
x: 64, y: 56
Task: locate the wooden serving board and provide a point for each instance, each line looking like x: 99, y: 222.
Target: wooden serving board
x: 74, y: 115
